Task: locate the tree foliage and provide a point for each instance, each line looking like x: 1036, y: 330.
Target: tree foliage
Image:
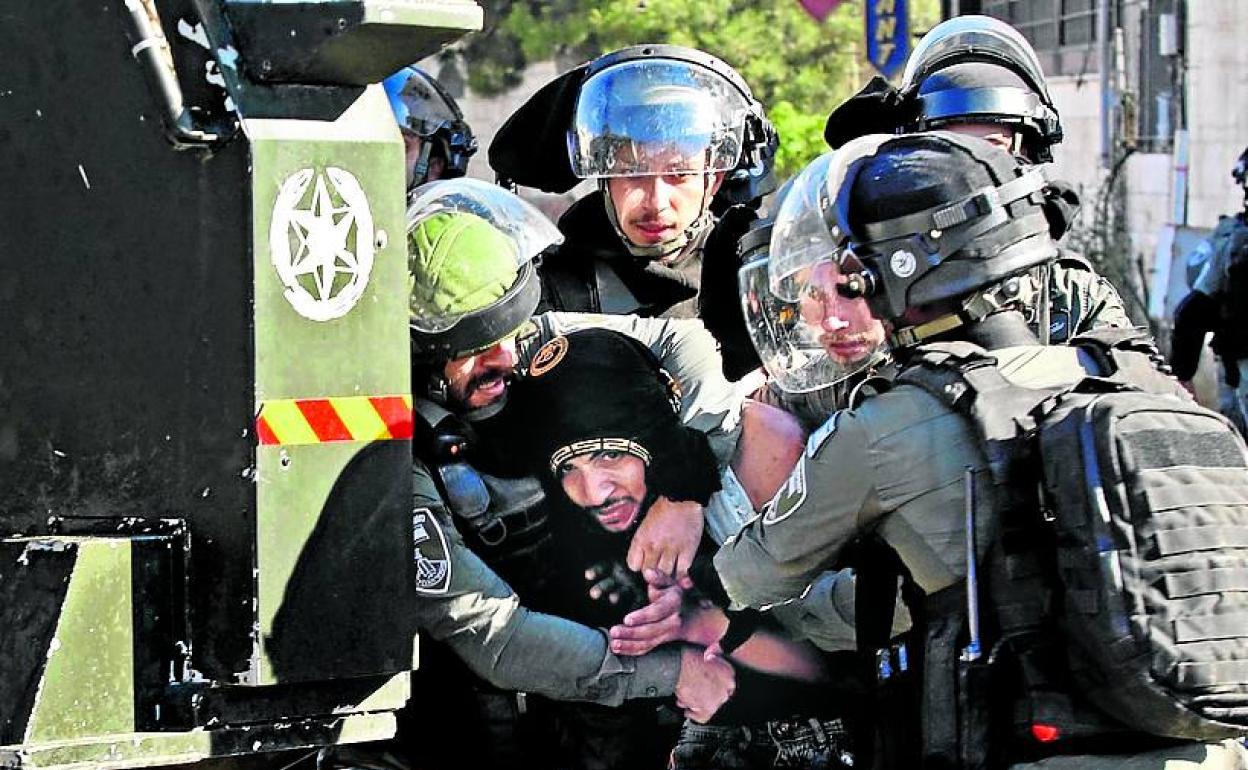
x: 798, y: 68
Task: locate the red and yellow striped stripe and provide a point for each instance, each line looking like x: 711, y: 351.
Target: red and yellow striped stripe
x: 341, y: 418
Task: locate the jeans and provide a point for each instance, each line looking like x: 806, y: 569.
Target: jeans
x: 784, y: 744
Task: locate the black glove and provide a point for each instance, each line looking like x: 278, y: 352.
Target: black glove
x: 1061, y: 206
x: 1196, y: 314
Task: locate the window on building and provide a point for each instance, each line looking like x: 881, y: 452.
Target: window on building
x: 1063, y: 32
x: 1160, y: 75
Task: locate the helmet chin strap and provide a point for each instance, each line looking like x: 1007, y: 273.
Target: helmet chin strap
x: 420, y: 170
x: 487, y: 411
x: 669, y: 247
x: 973, y: 309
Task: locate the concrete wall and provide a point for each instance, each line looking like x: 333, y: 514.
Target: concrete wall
x: 1217, y: 119
x: 1077, y: 159
x: 1217, y: 102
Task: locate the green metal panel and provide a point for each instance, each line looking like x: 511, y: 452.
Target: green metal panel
x: 88, y: 685
x: 327, y: 192
x: 354, y: 348
x: 115, y: 752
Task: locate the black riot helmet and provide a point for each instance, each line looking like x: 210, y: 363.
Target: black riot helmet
x: 937, y: 219
x: 541, y: 145
x: 977, y: 69
x: 423, y: 108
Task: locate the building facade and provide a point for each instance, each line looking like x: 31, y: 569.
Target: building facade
x: 1153, y: 95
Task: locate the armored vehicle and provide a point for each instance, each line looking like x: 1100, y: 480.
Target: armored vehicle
x: 204, y: 376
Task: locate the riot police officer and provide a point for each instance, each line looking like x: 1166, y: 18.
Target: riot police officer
x: 904, y: 467
x: 680, y: 152
x: 1218, y: 301
x: 977, y: 75
x: 437, y: 141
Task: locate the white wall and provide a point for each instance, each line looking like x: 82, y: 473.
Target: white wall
x: 1217, y: 119
x: 1217, y: 94
x: 1077, y: 159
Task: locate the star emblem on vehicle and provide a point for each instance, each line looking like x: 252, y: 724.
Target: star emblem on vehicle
x: 321, y: 232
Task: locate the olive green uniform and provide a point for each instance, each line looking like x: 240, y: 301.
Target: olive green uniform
x: 897, y: 465
x: 1080, y: 300
x: 481, y: 619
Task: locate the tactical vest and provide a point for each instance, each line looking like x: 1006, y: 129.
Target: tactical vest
x: 1109, y: 613
x: 503, y: 520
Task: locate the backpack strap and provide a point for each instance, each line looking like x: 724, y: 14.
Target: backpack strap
x: 965, y: 377
x: 1128, y: 358
x: 895, y: 708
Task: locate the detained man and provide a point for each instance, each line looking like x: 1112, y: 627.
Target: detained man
x: 600, y: 417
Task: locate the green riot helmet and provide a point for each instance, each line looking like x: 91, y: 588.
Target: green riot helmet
x: 940, y: 219
x: 658, y: 110
x: 424, y: 109
x: 977, y: 69
x: 808, y: 336
x: 471, y: 278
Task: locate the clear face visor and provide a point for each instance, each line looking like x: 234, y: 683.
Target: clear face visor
x: 811, y: 337
x: 805, y: 231
x: 656, y: 116
x: 486, y: 239
x: 982, y: 37
x: 419, y: 107
x: 832, y: 336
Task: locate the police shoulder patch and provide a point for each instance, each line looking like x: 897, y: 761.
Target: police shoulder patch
x: 549, y: 356
x: 432, y: 555
x: 821, y: 435
x: 789, y: 498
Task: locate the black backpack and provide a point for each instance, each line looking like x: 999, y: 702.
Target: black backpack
x: 1115, y: 590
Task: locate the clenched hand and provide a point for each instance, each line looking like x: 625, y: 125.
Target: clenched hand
x: 705, y: 684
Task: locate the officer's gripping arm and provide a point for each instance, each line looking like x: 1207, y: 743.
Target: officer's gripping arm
x: 826, y: 500
x: 481, y: 619
x: 483, y: 622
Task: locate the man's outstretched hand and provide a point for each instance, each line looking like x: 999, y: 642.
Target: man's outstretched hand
x: 612, y: 582
x: 657, y: 623
x: 669, y: 617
